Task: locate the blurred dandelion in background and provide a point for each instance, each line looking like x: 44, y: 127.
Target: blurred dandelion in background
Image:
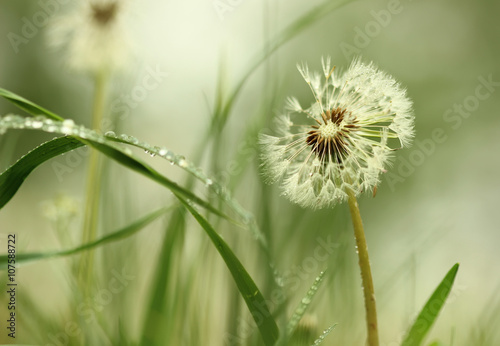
x: 95, y: 36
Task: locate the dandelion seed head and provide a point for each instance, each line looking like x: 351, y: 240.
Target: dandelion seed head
x: 95, y: 37
x: 343, y: 141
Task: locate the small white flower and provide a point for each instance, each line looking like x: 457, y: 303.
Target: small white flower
x: 343, y: 140
x: 95, y: 37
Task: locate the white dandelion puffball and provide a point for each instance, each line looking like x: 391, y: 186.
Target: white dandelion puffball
x: 343, y: 141
x: 95, y: 37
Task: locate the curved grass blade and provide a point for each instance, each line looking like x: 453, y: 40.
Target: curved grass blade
x: 323, y: 336
x: 156, y: 327
x: 302, y: 307
x: 115, y: 236
x: 27, y: 105
x: 14, y: 176
x: 431, y: 309
x: 249, y: 291
x: 135, y: 165
x: 22, y: 168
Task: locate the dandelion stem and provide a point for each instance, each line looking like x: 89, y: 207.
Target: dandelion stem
x: 366, y: 274
x: 92, y: 204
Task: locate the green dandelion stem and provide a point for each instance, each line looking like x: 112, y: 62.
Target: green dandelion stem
x: 366, y: 273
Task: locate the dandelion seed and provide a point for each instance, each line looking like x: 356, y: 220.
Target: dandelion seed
x: 95, y: 37
x: 343, y: 140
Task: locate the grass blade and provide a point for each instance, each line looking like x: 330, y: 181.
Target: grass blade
x: 249, y: 291
x: 304, y: 303
x: 17, y: 173
x: 115, y: 236
x: 323, y: 335
x: 430, y: 311
x: 12, y: 179
x: 156, y: 326
x: 28, y: 106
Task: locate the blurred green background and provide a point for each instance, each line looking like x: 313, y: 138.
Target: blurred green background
x: 437, y: 205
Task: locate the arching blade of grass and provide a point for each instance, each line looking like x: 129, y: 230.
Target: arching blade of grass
x: 301, y: 309
x: 28, y: 106
x: 156, y: 327
x: 106, y: 147
x: 430, y: 311
x: 249, y: 291
x: 323, y: 336
x: 14, y: 176
x: 122, y: 233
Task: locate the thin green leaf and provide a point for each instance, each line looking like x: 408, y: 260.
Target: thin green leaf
x: 430, y: 311
x: 28, y: 106
x: 157, y: 327
x: 249, y: 291
x: 115, y: 236
x: 322, y: 337
x: 142, y: 168
x: 303, y: 305
x: 14, y: 176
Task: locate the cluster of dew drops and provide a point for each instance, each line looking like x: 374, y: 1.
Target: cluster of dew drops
x: 68, y: 127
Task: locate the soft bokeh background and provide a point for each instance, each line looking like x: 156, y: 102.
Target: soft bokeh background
x: 438, y: 205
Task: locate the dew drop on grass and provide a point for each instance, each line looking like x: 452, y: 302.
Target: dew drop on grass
x: 162, y: 152
x: 306, y: 300
x: 67, y: 126
x: 110, y: 134
x: 182, y: 161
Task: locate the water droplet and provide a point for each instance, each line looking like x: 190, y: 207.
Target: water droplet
x: 110, y: 134
x: 162, y: 152
x: 209, y: 182
x: 67, y: 126
x: 182, y: 161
